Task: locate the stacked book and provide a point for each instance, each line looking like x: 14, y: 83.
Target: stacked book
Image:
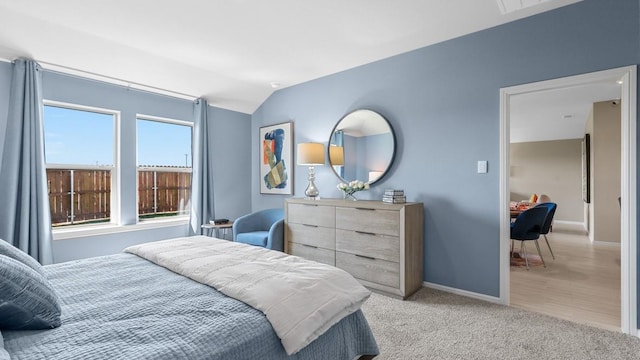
x: 393, y: 196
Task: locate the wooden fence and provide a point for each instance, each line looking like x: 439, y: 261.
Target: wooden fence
x: 163, y: 192
x: 82, y: 196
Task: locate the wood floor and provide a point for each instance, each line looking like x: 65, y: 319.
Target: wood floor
x: 582, y: 284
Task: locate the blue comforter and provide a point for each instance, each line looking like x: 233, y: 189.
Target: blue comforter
x: 124, y: 307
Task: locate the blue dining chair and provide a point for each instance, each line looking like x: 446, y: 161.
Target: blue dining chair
x: 546, y: 227
x: 527, y: 227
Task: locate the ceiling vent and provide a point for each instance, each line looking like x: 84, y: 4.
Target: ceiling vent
x: 507, y: 6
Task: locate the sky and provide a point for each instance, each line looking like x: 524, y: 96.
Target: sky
x: 87, y: 138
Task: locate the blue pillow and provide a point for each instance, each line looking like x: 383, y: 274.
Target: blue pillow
x: 27, y: 300
x: 13, y: 252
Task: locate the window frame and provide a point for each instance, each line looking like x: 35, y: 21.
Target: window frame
x: 115, y: 196
x: 171, y: 121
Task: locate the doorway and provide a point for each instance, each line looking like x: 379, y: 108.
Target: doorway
x: 628, y: 205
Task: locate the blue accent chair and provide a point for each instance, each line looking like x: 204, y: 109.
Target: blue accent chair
x: 527, y: 227
x: 546, y: 227
x: 262, y: 228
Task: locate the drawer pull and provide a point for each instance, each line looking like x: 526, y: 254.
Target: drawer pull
x: 310, y: 246
x: 365, y: 257
x: 368, y: 209
x: 365, y: 233
x: 309, y: 225
x: 309, y: 204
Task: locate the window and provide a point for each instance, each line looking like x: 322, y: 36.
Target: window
x: 164, y: 167
x: 80, y: 160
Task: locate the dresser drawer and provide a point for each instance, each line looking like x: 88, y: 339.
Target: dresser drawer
x: 383, y: 247
x: 314, y: 253
x: 385, y: 222
x: 312, y: 235
x: 374, y: 270
x: 311, y: 214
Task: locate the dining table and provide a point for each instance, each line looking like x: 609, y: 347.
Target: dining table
x: 516, y: 208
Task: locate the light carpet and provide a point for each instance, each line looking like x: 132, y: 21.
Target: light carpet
x: 433, y: 324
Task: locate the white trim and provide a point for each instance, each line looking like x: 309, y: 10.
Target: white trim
x: 628, y: 205
x: 160, y: 168
x: 164, y: 120
x: 582, y: 225
x: 80, y: 107
x: 461, y: 292
x: 79, y: 167
x: 165, y: 169
x: 606, y: 243
x: 116, y: 175
x: 628, y: 187
x: 114, y: 210
x: 80, y: 231
x: 505, y: 216
x: 568, y: 222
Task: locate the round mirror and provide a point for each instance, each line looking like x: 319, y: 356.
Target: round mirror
x: 362, y: 147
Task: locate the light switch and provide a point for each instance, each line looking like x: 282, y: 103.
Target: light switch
x: 482, y: 167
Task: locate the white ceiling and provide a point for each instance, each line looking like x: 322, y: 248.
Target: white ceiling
x: 230, y: 51
x: 557, y: 114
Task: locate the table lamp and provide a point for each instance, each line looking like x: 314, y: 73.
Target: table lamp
x: 336, y: 155
x: 311, y: 154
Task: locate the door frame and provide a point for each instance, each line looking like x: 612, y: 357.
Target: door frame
x: 628, y: 191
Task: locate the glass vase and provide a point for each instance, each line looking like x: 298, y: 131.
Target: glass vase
x: 350, y: 196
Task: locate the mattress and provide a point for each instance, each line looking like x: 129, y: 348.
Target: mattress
x: 124, y: 307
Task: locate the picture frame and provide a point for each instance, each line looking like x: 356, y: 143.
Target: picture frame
x: 276, y: 159
x: 586, y: 168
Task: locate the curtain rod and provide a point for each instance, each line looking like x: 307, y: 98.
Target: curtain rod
x: 110, y: 79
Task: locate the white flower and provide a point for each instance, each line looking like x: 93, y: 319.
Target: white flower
x: 353, y: 186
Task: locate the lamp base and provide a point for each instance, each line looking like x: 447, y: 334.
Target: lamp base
x: 312, y: 191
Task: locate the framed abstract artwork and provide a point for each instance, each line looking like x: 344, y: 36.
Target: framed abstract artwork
x: 276, y: 153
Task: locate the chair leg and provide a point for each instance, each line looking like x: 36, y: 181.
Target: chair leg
x: 523, y: 249
x: 549, y: 246
x: 512, y: 247
x: 539, y: 253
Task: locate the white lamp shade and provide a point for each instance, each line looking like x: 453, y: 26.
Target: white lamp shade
x: 310, y: 154
x: 336, y: 155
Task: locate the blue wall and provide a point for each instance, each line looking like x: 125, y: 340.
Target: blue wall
x: 366, y: 153
x: 231, y: 154
x: 377, y: 154
x: 443, y: 102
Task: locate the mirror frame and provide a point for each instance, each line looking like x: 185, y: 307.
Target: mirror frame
x: 393, y: 154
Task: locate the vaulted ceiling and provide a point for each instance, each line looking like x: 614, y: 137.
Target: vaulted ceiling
x: 235, y: 53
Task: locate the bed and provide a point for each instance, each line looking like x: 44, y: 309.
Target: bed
x: 126, y: 307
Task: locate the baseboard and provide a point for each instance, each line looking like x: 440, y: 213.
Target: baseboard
x: 605, y: 243
x: 466, y: 293
x: 567, y: 222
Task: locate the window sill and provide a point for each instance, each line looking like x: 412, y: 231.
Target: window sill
x: 80, y: 231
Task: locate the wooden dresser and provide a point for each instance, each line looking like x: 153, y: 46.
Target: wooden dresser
x: 380, y: 244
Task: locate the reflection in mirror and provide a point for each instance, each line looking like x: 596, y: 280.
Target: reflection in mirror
x: 362, y: 146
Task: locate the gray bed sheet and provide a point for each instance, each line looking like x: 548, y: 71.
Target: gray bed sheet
x: 125, y: 307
